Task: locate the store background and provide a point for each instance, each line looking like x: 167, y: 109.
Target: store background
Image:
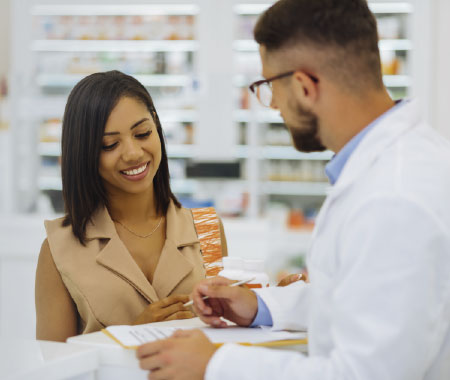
x: 207, y: 113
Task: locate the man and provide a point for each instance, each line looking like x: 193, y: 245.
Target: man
x: 378, y: 303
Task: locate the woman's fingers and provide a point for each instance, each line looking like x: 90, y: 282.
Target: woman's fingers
x: 290, y: 279
x: 173, y: 299
x: 180, y: 315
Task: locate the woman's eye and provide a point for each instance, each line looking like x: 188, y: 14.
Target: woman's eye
x: 143, y: 135
x: 109, y: 147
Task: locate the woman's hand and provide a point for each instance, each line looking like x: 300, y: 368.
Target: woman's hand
x: 167, y: 309
x: 285, y: 281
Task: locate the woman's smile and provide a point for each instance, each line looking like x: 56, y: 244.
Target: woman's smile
x: 136, y: 173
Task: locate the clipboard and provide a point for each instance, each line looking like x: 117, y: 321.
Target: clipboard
x: 269, y: 343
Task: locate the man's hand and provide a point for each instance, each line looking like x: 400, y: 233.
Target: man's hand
x: 237, y: 304
x: 184, y: 356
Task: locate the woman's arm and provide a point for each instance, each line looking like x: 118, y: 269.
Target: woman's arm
x: 56, y: 313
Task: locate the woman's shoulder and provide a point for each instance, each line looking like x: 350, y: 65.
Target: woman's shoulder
x: 54, y: 223
x: 60, y: 236
x: 57, y: 226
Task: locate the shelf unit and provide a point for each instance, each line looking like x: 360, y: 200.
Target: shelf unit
x: 198, y: 83
x: 263, y: 128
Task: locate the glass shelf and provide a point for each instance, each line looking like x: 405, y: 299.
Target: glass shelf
x: 295, y: 188
x: 70, y: 80
x: 114, y: 45
x: 115, y: 10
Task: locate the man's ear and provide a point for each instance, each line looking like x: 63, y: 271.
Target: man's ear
x: 306, y: 90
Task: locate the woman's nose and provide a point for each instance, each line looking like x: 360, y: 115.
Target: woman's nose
x: 132, y: 152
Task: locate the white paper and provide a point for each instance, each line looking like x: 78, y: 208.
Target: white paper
x: 137, y: 335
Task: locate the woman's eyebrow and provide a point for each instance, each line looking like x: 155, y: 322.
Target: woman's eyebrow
x: 133, y: 126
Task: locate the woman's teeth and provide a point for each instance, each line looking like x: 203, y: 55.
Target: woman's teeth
x: 135, y: 171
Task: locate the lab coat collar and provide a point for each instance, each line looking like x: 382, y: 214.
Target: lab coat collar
x: 377, y: 139
x: 390, y: 128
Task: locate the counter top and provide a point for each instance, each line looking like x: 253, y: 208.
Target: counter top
x: 22, y: 359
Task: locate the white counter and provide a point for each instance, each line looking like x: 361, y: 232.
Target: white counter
x: 92, y: 356
x: 115, y: 362
x: 22, y: 359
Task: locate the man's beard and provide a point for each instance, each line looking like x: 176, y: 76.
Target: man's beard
x: 305, y: 134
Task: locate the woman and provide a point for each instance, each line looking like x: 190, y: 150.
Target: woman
x: 126, y: 252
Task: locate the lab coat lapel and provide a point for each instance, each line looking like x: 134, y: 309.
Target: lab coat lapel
x: 370, y: 148
x: 114, y: 256
x: 388, y: 131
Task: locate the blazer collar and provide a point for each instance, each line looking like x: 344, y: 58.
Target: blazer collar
x: 180, y: 229
x: 172, y: 267
x: 101, y: 225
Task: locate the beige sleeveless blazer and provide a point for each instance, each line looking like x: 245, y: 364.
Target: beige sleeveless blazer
x: 105, y: 282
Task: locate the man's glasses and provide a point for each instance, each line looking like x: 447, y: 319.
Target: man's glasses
x: 263, y: 88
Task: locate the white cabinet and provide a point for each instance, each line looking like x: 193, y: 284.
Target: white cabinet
x: 20, y: 241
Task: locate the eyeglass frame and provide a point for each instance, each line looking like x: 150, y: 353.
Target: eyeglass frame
x: 269, y: 81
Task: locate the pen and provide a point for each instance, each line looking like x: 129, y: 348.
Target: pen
x: 242, y: 282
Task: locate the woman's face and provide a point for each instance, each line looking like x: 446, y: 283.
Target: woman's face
x: 131, y: 151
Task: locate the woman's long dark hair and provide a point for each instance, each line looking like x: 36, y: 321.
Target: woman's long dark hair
x: 87, y: 110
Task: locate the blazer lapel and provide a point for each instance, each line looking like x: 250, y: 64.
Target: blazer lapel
x: 173, y: 267
x: 115, y: 257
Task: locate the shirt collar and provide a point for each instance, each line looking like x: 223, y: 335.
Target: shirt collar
x: 334, y: 168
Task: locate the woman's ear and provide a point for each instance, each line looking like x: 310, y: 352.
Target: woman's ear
x: 306, y: 89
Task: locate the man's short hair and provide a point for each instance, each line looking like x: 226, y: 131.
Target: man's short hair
x: 345, y: 30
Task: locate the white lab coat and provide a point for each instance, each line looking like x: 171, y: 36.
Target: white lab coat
x: 378, y: 305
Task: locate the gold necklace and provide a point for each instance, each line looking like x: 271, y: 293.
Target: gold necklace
x: 141, y: 236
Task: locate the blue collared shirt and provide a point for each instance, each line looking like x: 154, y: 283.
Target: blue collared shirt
x: 333, y: 170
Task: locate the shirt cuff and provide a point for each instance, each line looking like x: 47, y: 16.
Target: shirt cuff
x: 263, y: 316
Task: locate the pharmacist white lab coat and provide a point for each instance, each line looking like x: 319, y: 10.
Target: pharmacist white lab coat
x: 378, y: 305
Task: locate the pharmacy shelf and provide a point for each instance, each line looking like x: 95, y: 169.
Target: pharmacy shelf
x: 54, y: 108
x: 261, y: 115
x: 387, y: 44
x: 391, y: 8
x: 389, y: 80
x: 113, y: 45
x: 70, y: 80
x: 180, y: 150
x: 183, y: 186
x: 279, y: 153
x: 397, y: 80
x: 49, y: 149
x: 50, y: 183
x: 115, y: 10
x: 395, y: 44
x: 295, y: 188
x: 382, y: 7
x: 177, y: 116
x: 53, y: 149
x: 289, y: 153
